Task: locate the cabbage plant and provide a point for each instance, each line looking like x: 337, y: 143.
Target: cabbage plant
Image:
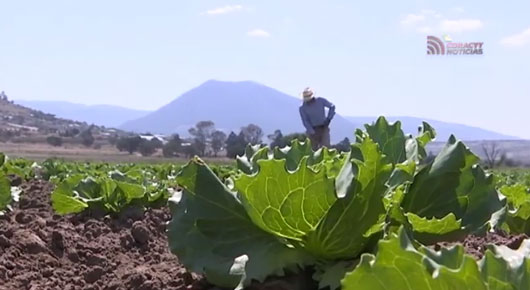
x: 293, y: 207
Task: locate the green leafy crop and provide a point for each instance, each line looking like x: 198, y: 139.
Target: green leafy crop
x: 112, y: 191
x: 370, y: 212
x: 399, y: 265
x: 9, y: 167
x: 5, y: 186
x: 212, y: 233
x: 77, y: 193
x: 518, y: 217
x: 325, y: 207
x: 455, y: 190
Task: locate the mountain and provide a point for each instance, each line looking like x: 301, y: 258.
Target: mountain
x: 102, y: 115
x: 443, y: 129
x: 231, y: 105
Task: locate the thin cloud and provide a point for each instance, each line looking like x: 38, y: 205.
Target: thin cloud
x: 258, y: 33
x: 430, y: 21
x: 421, y: 22
x: 412, y: 19
x: 416, y: 19
x: 431, y: 13
x: 224, y: 10
x: 460, y: 25
x: 517, y: 40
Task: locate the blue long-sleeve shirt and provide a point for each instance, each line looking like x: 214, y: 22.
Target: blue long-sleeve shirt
x: 313, y: 113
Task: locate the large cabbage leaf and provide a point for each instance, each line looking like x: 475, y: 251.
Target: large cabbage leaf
x: 247, y: 163
x: 415, y: 146
x: 359, y: 212
x: 389, y: 137
x: 212, y: 234
x: 398, y: 265
x: 287, y: 204
x: 518, y: 200
x: 293, y: 155
x: 452, y: 188
x: 331, y: 159
x: 393, y: 142
x: 505, y: 268
x: 328, y: 220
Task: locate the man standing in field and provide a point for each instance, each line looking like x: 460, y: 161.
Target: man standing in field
x: 313, y: 114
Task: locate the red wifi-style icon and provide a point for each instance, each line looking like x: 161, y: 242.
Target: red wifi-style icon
x: 435, y: 45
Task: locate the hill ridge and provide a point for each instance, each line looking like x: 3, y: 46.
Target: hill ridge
x: 98, y: 114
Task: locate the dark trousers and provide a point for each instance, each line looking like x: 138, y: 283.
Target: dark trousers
x: 320, y: 137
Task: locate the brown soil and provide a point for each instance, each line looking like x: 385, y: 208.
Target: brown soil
x: 477, y: 245
x: 41, y: 250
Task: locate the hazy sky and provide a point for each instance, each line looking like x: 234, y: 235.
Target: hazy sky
x: 367, y: 57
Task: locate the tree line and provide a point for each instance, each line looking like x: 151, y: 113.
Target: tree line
x: 85, y: 137
x: 206, y: 140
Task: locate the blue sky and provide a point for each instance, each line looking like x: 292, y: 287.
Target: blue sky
x: 367, y: 57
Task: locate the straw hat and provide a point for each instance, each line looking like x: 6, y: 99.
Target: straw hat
x: 308, y: 94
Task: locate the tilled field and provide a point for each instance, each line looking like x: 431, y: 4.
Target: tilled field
x: 42, y: 250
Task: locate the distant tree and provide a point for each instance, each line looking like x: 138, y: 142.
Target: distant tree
x: 147, y: 147
x: 173, y: 147
x: 202, y: 133
x: 157, y: 143
x: 70, y: 132
x: 230, y: 143
x: 509, y: 162
x: 277, y: 139
x: 54, y: 141
x: 86, y: 137
x: 6, y: 135
x: 121, y: 144
x: 494, y: 155
x: 200, y: 146
x: 191, y: 150
x: 343, y: 146
x: 218, y: 141
x: 235, y: 145
x: 252, y: 134
x: 129, y: 144
x: 113, y: 139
